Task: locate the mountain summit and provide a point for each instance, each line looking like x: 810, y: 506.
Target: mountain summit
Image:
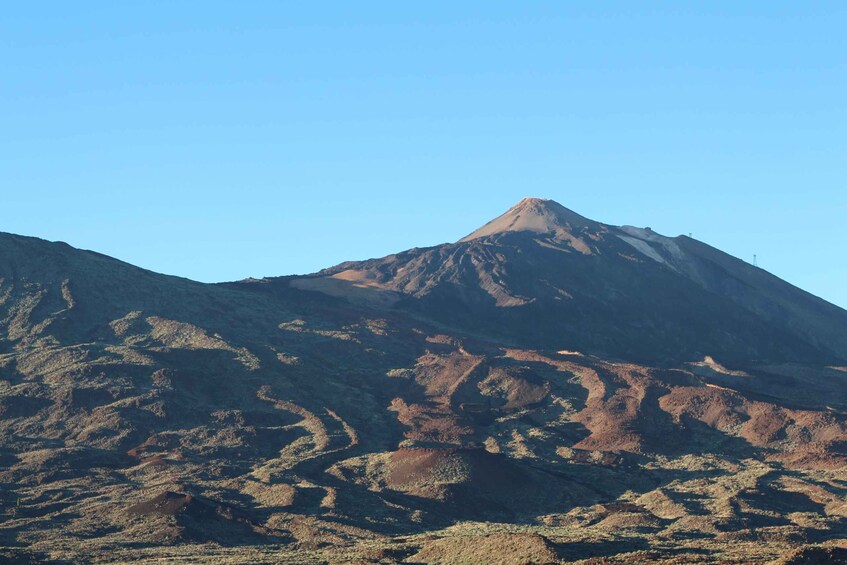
x: 532, y: 214
x: 543, y: 276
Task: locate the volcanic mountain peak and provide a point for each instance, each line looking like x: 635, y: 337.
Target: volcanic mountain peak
x: 532, y: 214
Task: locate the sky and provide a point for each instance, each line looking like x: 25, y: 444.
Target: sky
x: 220, y: 140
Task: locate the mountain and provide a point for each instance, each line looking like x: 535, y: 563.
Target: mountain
x: 549, y: 388
x: 543, y: 276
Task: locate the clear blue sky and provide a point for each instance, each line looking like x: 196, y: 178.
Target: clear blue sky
x: 220, y: 140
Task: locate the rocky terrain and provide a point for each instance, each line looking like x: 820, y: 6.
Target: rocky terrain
x: 548, y: 389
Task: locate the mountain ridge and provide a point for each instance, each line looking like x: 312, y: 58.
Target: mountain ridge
x: 435, y: 280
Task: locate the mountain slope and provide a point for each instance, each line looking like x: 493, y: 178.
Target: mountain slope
x: 480, y: 400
